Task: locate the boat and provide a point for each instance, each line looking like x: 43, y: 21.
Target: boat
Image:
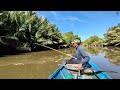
x: 64, y: 73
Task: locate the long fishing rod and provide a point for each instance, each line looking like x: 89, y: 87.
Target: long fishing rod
x: 56, y: 50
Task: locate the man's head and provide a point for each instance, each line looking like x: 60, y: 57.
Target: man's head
x: 76, y: 43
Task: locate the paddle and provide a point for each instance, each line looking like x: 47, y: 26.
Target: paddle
x: 99, y: 71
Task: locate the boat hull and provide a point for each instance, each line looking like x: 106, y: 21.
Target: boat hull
x: 63, y: 73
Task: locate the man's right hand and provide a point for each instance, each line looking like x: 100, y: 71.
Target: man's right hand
x: 74, y: 57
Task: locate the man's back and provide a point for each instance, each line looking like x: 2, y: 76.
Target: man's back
x: 81, y: 55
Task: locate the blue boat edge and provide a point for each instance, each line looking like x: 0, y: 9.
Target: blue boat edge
x: 102, y: 75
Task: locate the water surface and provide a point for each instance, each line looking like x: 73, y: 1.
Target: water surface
x: 39, y: 65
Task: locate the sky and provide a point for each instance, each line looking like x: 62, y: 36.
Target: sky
x: 83, y: 23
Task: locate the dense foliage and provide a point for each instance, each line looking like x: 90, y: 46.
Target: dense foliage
x: 93, y: 40
x: 25, y: 29
x: 112, y: 36
x: 69, y: 37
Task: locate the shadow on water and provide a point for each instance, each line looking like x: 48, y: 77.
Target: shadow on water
x: 5, y: 53
x: 18, y: 50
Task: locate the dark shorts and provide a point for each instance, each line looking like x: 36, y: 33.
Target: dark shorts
x: 73, y: 61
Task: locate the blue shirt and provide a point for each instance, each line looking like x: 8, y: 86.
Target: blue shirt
x: 81, y: 55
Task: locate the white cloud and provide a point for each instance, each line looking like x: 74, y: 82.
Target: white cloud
x: 69, y: 18
x: 54, y: 13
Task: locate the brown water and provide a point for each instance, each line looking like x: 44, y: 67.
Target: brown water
x: 39, y: 65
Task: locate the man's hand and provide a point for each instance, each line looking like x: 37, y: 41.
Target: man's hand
x: 79, y: 66
x: 74, y: 57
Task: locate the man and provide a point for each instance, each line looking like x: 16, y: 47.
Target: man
x: 80, y: 57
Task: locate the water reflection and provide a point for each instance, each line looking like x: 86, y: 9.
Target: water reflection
x: 111, y: 53
x: 107, y: 58
x: 93, y: 50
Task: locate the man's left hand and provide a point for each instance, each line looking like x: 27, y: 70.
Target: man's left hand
x: 79, y: 66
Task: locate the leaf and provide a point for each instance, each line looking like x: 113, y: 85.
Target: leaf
x: 48, y: 41
x: 38, y: 34
x: 41, y: 40
x: 55, y: 42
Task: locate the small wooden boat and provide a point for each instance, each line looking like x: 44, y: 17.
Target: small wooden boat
x: 64, y: 73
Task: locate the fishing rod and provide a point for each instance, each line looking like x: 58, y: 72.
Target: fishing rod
x: 57, y: 50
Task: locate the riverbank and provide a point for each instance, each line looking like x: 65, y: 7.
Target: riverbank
x: 8, y: 50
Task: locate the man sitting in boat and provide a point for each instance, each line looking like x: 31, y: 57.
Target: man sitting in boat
x: 80, y: 57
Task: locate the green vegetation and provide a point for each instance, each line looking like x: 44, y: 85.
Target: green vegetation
x: 93, y: 40
x: 24, y: 29
x: 69, y: 37
x: 112, y: 37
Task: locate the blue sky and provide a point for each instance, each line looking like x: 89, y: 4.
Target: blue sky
x: 83, y: 23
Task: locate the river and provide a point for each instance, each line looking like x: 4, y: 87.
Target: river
x: 39, y: 65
